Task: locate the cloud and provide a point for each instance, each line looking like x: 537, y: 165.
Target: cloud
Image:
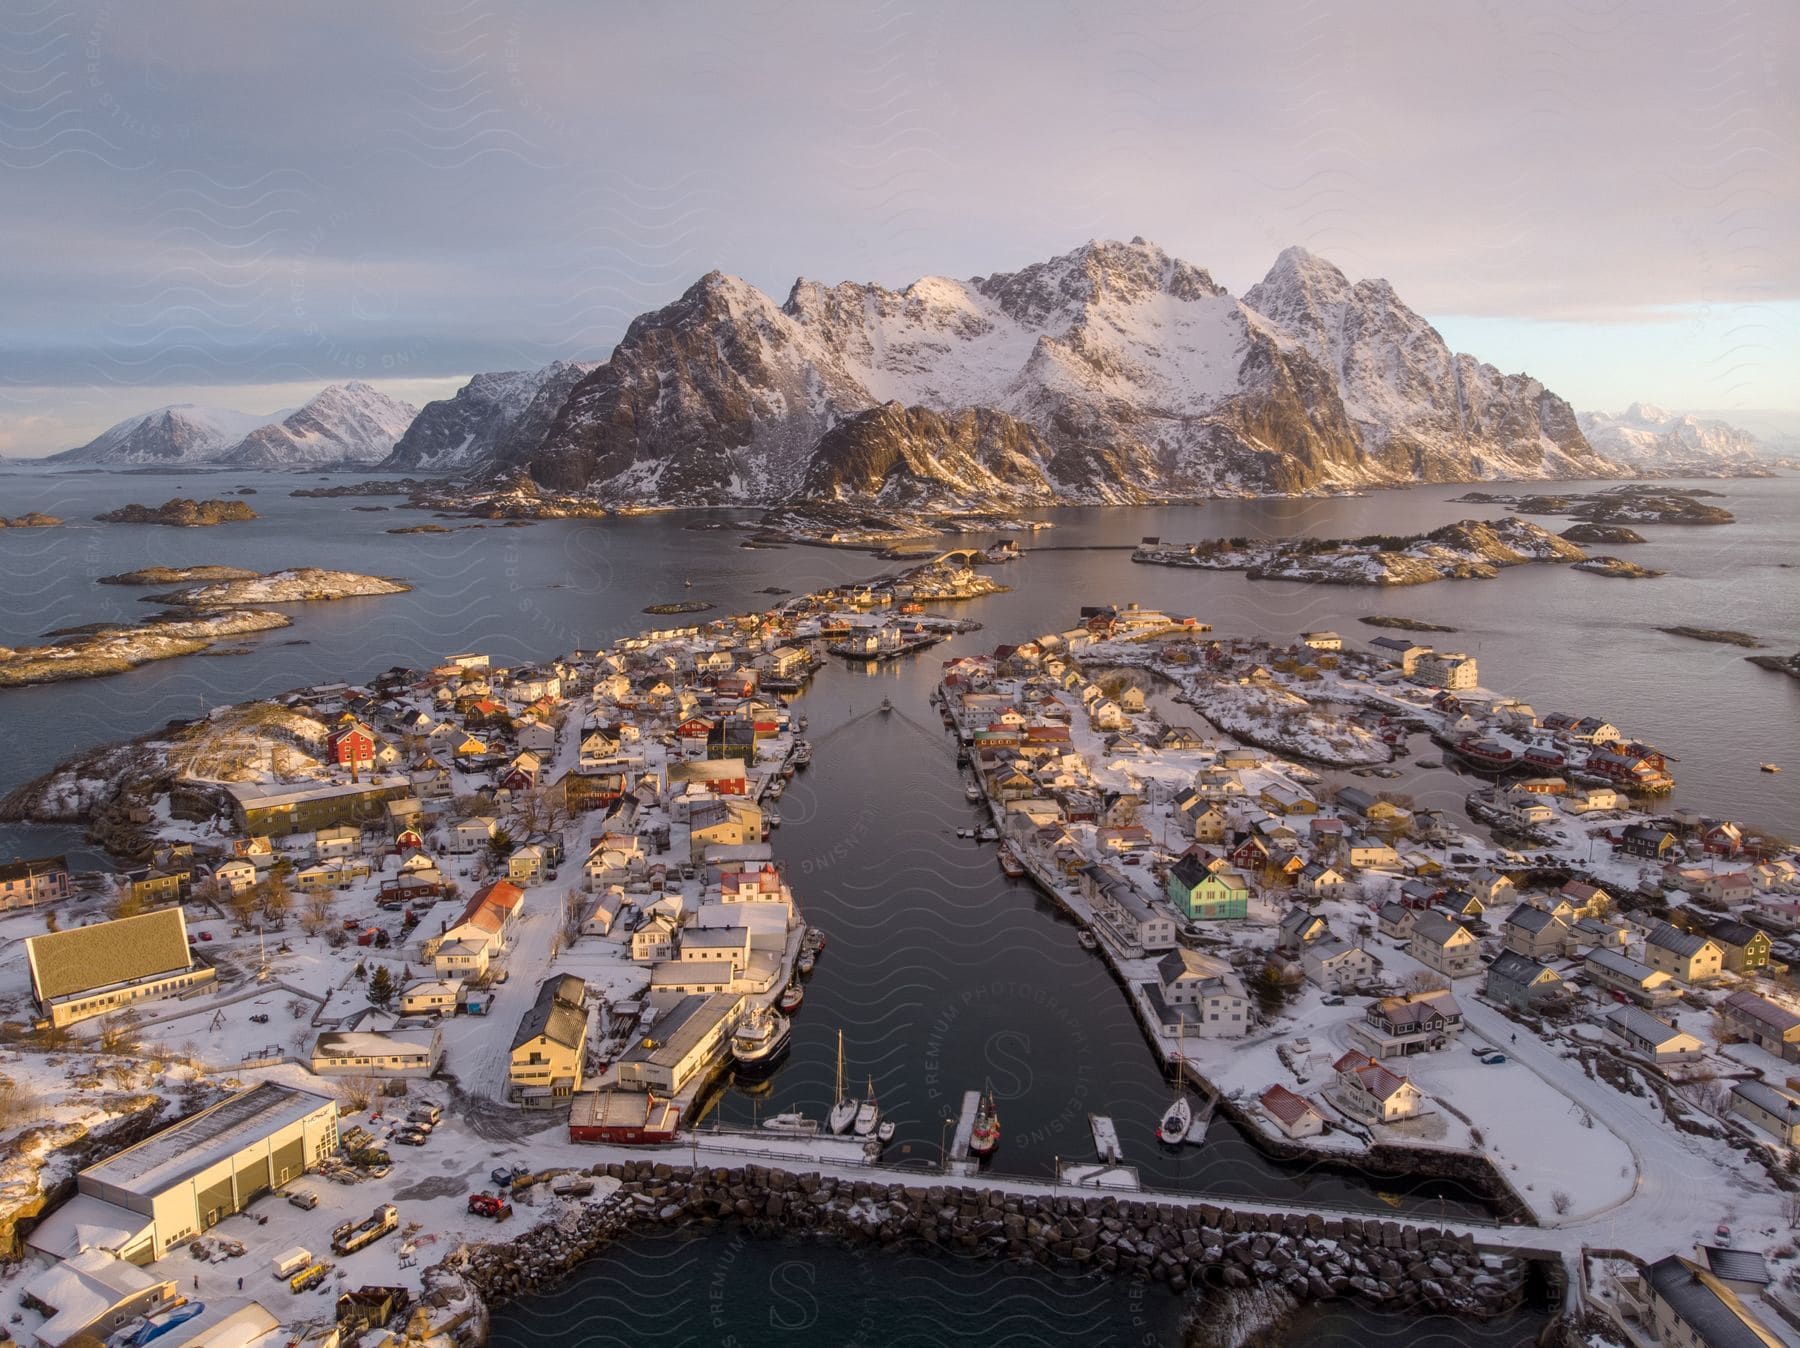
x: 421, y: 190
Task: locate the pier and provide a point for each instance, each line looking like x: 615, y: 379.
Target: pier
x: 1106, y: 1138
x: 958, y: 1160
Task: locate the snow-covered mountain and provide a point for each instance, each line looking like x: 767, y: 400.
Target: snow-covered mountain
x: 1647, y: 436
x: 475, y: 424
x: 1112, y: 373
x: 351, y: 423
x: 181, y: 433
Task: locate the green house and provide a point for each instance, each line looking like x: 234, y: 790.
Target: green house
x: 1202, y: 895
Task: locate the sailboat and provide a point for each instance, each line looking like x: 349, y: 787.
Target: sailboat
x: 843, y: 1113
x: 1179, y: 1117
x: 868, y: 1113
x: 985, y: 1136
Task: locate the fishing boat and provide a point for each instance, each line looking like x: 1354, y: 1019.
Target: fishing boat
x: 868, y: 1113
x: 1088, y: 940
x: 986, y: 1134
x: 843, y: 1113
x: 793, y: 1123
x: 1010, y: 863
x: 1179, y: 1116
x: 987, y: 833
x: 760, y: 1039
x: 791, y: 997
x: 772, y: 818
x: 806, y: 962
x: 800, y: 722
x: 802, y: 754
x: 972, y: 793
x: 886, y: 706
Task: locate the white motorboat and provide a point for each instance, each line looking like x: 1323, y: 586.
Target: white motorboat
x: 886, y: 706
x: 972, y: 792
x: 884, y: 1131
x: 791, y: 1122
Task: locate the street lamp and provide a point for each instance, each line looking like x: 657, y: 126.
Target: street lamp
x: 944, y: 1145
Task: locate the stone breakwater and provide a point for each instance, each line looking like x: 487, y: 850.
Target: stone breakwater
x: 1201, y: 1246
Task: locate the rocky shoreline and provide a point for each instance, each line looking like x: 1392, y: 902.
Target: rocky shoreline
x: 1197, y: 1248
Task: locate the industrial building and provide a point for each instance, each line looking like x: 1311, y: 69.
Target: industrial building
x: 185, y: 1179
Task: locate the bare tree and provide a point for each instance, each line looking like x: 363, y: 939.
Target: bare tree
x: 317, y: 914
x: 1790, y: 1208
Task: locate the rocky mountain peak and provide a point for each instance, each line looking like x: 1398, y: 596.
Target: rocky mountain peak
x: 1098, y: 273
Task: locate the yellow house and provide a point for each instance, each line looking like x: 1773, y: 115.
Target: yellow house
x: 549, y: 1048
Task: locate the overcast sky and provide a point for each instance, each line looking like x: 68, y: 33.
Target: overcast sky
x: 240, y: 203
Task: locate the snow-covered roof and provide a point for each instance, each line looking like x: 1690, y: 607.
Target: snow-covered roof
x: 188, y: 1147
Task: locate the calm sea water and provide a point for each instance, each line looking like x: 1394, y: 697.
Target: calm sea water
x: 941, y: 973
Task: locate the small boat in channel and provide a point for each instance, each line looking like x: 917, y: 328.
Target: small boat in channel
x: 868, y: 1113
x: 791, y: 997
x: 985, y: 1136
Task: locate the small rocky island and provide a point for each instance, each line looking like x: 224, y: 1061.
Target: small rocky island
x: 1466, y: 550
x: 1616, y: 567
x: 1723, y: 635
x: 181, y: 511
x: 112, y: 648
x: 1602, y: 535
x: 1634, y: 503
x: 1403, y: 624
x: 297, y: 585
x: 178, y: 575
x: 1779, y: 664
x: 31, y: 519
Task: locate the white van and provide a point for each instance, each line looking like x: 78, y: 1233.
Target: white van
x: 286, y: 1265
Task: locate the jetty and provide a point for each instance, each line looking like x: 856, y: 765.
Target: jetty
x: 959, y: 1160
x: 1106, y: 1138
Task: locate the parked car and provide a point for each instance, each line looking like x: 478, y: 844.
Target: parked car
x: 303, y: 1200
x: 425, y: 1113
x: 1332, y: 1000
x: 408, y: 1137
x: 1493, y: 1059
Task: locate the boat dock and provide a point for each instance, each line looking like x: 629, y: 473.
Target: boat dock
x: 959, y: 1160
x: 1086, y: 1175
x: 1106, y: 1138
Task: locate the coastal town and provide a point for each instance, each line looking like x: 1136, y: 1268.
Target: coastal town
x: 454, y: 961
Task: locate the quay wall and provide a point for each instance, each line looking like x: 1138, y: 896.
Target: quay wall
x: 1200, y: 1247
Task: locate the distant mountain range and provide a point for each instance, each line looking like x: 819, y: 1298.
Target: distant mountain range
x: 351, y: 423
x: 1646, y: 436
x: 1114, y: 373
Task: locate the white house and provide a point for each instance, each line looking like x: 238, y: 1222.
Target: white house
x: 1371, y: 1091
x: 1207, y: 987
x: 1336, y: 964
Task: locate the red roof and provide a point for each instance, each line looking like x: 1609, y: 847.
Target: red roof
x: 1285, y: 1105
x: 490, y: 905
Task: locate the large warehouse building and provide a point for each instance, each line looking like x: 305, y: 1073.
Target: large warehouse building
x: 185, y: 1179
x: 104, y: 966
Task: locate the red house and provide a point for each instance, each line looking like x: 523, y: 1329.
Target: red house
x: 351, y: 743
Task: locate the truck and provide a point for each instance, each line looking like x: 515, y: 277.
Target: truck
x: 487, y: 1205
x: 353, y: 1236
x: 287, y: 1265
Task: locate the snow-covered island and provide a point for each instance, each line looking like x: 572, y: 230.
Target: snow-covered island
x: 1467, y: 550
x: 112, y: 648
x: 1634, y: 503
x: 294, y: 585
